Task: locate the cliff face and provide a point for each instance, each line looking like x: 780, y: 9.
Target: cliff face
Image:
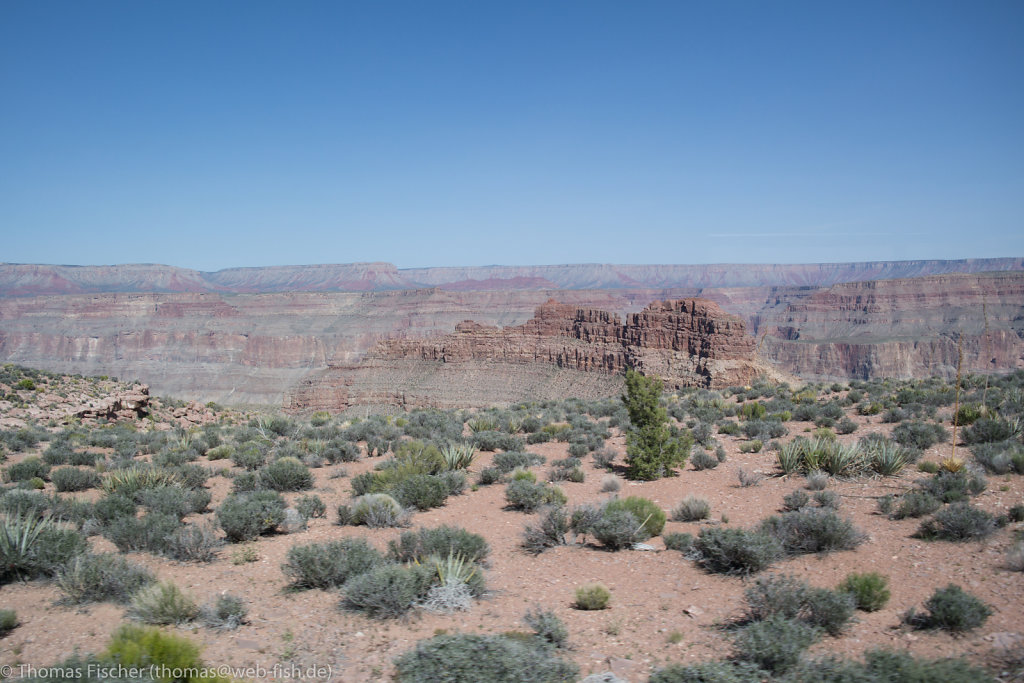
x: 576, y: 351
x: 898, y: 328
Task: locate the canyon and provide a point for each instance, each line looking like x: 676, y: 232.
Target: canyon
x: 267, y: 335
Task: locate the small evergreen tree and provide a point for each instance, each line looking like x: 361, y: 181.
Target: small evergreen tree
x: 651, y: 449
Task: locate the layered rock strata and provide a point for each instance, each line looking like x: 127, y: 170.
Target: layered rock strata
x: 564, y: 350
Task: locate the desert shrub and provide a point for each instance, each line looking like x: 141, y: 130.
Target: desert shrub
x: 547, y: 626
x: 511, y: 460
x: 550, y: 532
x: 729, y: 428
x: 246, y: 516
x: 795, y: 500
x: 951, y: 487
x: 736, y: 551
x: 222, y: 452
x: 249, y: 455
x: 310, y: 507
x: 1015, y: 557
x: 776, y: 595
x: 162, y: 603
x: 870, y: 590
x: 691, y: 509
x: 25, y: 503
x: 529, y: 496
x: 492, y: 658
x: 618, y: 528
x: 775, y: 644
x: 827, y: 499
x: 812, y: 530
x: 74, y: 479
x: 958, y: 522
x: 748, y: 478
x: 130, y: 480
x: 286, y: 474
x: 489, y: 475
x: 390, y: 590
x: 523, y: 475
x: 916, y: 504
x: 227, y: 612
x: 592, y: 596
x: 168, y: 500
x: 331, y: 564
x: 377, y: 510
x: 1000, y: 457
x: 494, y: 440
x: 194, y: 542
x: 829, y: 610
x: 754, y: 446
x: 604, y: 458
x: 29, y: 468
x: 703, y: 460
x: 99, y: 578
x: 149, y: 533
x: 337, y: 450
x: 113, y: 507
x: 135, y: 647
x: 8, y: 621
x: 441, y: 541
x: 610, y: 484
x: 920, y: 435
x: 952, y: 609
x: 709, y: 672
x: 990, y: 429
x: 846, y: 426
x: 646, y: 512
x: 421, y: 491
x: 678, y: 541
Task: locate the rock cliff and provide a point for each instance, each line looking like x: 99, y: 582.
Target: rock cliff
x: 562, y: 350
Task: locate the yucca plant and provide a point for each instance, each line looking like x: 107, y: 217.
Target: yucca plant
x: 458, y: 456
x: 887, y: 457
x: 18, y: 536
x: 131, y: 480
x: 843, y: 459
x: 482, y: 424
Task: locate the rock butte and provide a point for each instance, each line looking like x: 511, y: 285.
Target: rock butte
x: 562, y: 349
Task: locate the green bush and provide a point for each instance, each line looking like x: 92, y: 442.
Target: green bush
x: 882, y: 666
x: 776, y: 643
x: 99, y: 578
x: 511, y: 460
x: 870, y: 590
x: 162, y: 603
x: 646, y: 512
x: 421, y: 491
x: 829, y: 610
x: 916, y: 504
x: 678, y: 541
x: 703, y: 460
x: 194, y: 542
x: 547, y: 626
x: 592, y: 596
x: 551, y: 531
x: 331, y: 564
x: 529, y: 496
x: 795, y: 500
x: 113, y: 507
x: 952, y: 487
x: 227, y: 612
x: 149, y: 533
x: 222, y: 452
x: 29, y: 468
x: 246, y: 516
x: 952, y: 609
x: 8, y: 621
x: 249, y: 456
x: 812, y: 530
x: 173, y: 501
x: 286, y: 474
x: 74, y: 479
x: 491, y: 658
x: 990, y: 429
x: 691, y: 509
x: 736, y: 551
x: 141, y: 648
x: 375, y: 510
x: 710, y: 672
x: 920, y: 435
x: 441, y: 541
x: 651, y: 449
x: 790, y: 598
x: 310, y: 507
x: 958, y: 522
x: 618, y: 528
x: 390, y: 590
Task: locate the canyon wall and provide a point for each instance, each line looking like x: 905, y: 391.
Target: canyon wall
x: 252, y: 347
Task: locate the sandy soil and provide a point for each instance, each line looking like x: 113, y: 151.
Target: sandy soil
x: 664, y: 608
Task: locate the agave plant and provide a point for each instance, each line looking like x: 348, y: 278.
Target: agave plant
x: 130, y: 480
x: 888, y: 458
x: 843, y: 459
x: 458, y: 456
x: 18, y: 535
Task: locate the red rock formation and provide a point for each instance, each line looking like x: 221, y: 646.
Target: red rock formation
x: 688, y: 342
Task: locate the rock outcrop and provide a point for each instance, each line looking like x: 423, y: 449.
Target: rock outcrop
x: 578, y: 351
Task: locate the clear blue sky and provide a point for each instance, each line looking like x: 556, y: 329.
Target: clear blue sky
x: 211, y: 134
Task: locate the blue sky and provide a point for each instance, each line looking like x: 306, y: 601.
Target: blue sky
x: 220, y: 134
